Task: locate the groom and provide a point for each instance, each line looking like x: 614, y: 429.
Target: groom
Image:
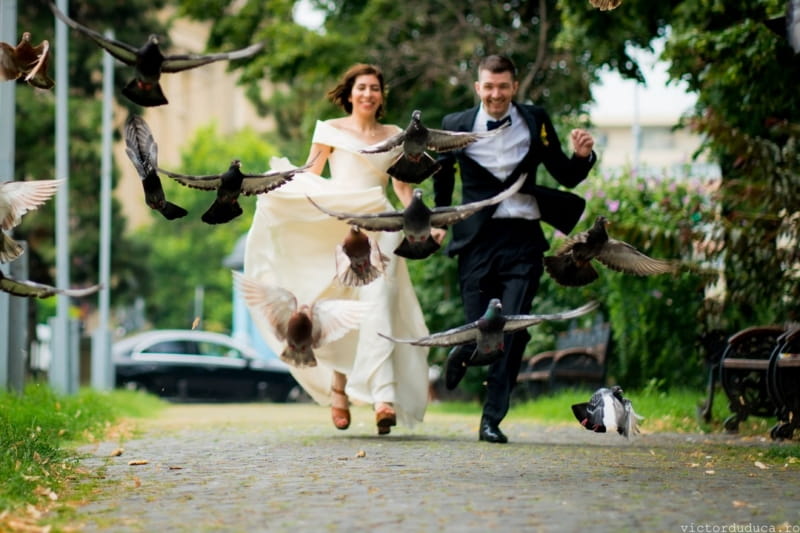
x: 500, y: 248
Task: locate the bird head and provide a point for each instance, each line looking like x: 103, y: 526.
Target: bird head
x: 416, y: 115
x: 236, y: 163
x: 153, y: 39
x: 494, y: 308
x: 417, y: 194
x: 601, y: 221
x: 616, y: 390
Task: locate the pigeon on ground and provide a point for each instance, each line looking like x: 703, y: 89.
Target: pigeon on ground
x: 359, y: 260
x: 417, y: 219
x: 150, y: 62
x: 230, y: 184
x: 16, y: 199
x: 303, y: 327
x: 142, y: 150
x: 605, y: 5
x: 31, y: 289
x: 488, y: 332
x: 26, y: 60
x: 571, y: 265
x: 414, y: 164
x: 608, y: 411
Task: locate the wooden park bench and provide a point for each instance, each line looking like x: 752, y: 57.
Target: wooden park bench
x: 579, y: 359
x: 759, y: 370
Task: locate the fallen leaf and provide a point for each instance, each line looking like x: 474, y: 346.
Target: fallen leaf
x: 136, y: 482
x: 361, y: 453
x: 738, y: 503
x: 175, y: 467
x: 693, y: 465
x: 137, y: 462
x: 710, y: 472
x: 760, y: 465
x: 116, y: 453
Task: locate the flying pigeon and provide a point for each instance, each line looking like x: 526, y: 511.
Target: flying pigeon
x: 26, y: 60
x: 142, y: 150
x: 230, y: 184
x: 417, y: 219
x: 608, y: 411
x: 488, y: 331
x: 571, y: 265
x: 359, y: 260
x: 303, y: 327
x: 605, y: 5
x: 414, y: 164
x: 149, y: 62
x: 31, y: 289
x: 16, y: 199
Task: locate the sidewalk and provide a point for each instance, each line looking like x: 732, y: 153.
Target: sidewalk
x: 273, y: 467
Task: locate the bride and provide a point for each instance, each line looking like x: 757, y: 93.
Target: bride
x: 292, y: 244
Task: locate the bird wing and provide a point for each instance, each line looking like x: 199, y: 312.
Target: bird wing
x: 31, y: 289
x: 451, y: 337
x: 122, y: 51
x: 385, y: 145
x: 388, y: 221
x: 261, y: 183
x: 9, y: 69
x: 445, y: 141
x: 515, y: 322
x: 38, y: 73
x: 445, y: 216
x: 23, y: 196
x: 332, y: 319
x: 205, y: 183
x: 622, y: 257
x: 140, y: 146
x: 179, y: 62
x: 274, y: 303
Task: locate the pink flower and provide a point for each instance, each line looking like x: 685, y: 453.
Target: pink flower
x: 612, y: 205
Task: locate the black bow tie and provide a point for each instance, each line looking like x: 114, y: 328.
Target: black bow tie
x: 494, y: 124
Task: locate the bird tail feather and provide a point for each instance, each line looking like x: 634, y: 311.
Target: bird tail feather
x: 298, y: 358
x: 221, y: 212
x: 567, y: 272
x: 172, y: 211
x: 151, y: 97
x: 9, y: 248
x: 419, y: 250
x: 411, y: 171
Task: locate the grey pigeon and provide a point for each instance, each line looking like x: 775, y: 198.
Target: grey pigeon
x: 16, y: 199
x: 788, y: 24
x: 414, y: 164
x: 571, y: 265
x: 26, y: 60
x: 417, y: 219
x: 230, y: 184
x: 303, y: 327
x: 359, y: 260
x: 150, y: 62
x: 607, y: 410
x: 488, y: 332
x: 142, y: 150
x: 31, y: 289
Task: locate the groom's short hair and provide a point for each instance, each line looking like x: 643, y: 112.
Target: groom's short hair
x: 496, y: 64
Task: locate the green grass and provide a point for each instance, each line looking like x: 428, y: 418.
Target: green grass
x: 672, y: 411
x: 38, y: 428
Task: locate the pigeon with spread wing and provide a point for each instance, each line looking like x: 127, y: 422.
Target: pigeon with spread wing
x: 303, y: 327
x: 26, y: 60
x: 16, y: 199
x: 142, y: 150
x: 359, y: 260
x: 607, y: 411
x: 230, y: 184
x: 572, y: 263
x: 31, y: 289
x: 488, y: 332
x: 150, y: 62
x: 605, y: 5
x: 413, y: 164
x: 417, y: 219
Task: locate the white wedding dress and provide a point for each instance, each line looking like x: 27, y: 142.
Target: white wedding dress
x: 292, y: 244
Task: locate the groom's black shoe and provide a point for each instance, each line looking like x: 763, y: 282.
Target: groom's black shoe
x: 490, y: 432
x: 456, y: 367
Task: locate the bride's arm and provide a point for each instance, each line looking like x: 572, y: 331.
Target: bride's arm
x: 321, y: 152
x: 403, y: 191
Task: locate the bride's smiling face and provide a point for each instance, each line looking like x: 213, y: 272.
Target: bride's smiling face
x: 367, y: 94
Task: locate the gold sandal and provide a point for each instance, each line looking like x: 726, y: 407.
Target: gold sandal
x: 385, y: 418
x: 340, y: 415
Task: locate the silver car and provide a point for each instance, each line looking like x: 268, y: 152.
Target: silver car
x: 200, y: 365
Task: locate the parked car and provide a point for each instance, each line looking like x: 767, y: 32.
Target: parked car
x: 189, y: 364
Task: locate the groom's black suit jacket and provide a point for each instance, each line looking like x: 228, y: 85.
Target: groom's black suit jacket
x: 558, y: 208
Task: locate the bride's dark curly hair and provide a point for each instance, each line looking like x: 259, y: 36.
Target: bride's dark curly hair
x: 339, y: 94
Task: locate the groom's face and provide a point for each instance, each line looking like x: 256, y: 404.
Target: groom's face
x: 496, y: 90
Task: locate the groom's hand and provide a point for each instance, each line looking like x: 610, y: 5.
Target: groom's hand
x: 438, y: 234
x: 582, y: 142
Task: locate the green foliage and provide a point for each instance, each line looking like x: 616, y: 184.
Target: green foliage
x: 36, y: 428
x: 188, y: 253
